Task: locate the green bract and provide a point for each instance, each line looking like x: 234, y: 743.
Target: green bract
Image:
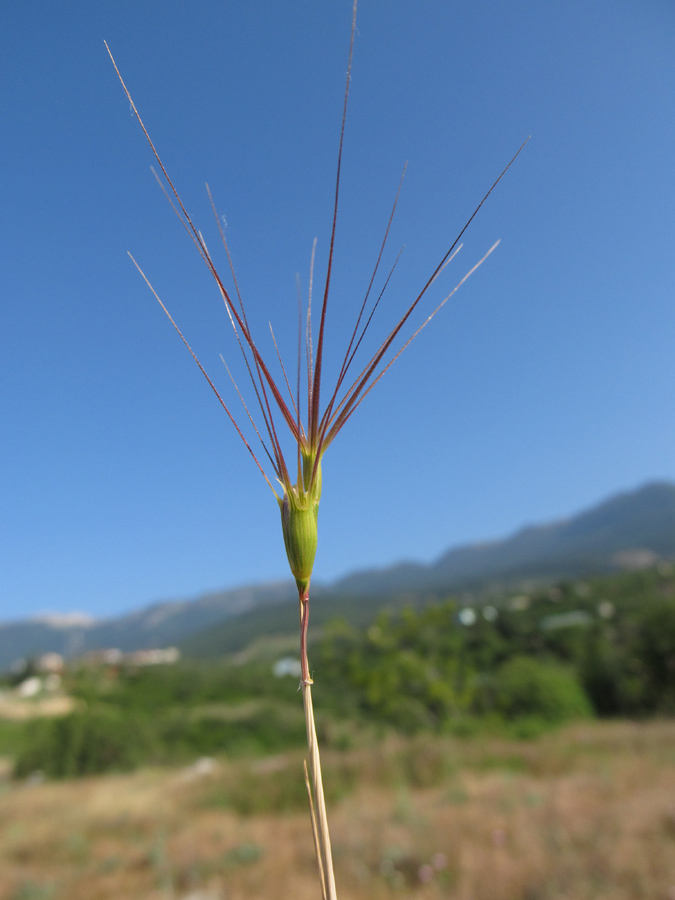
x: 299, y: 515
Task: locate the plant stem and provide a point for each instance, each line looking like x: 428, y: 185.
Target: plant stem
x: 316, y: 797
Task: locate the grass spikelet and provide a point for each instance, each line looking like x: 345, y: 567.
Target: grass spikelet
x: 299, y: 494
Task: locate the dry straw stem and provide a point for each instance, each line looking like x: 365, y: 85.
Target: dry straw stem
x: 315, y: 832
x: 299, y: 498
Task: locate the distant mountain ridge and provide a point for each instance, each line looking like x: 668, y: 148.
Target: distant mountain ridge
x: 636, y: 525
x: 160, y: 625
x: 592, y: 541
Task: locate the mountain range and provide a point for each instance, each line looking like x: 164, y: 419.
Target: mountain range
x: 635, y: 528
x: 625, y: 530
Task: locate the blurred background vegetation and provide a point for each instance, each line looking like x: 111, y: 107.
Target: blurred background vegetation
x: 514, y: 666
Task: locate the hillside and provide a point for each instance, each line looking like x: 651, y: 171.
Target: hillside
x: 626, y: 531
x: 602, y: 646
x: 160, y: 625
x: 597, y: 540
x: 630, y: 528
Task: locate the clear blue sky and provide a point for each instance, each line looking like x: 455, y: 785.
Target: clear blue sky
x: 547, y: 384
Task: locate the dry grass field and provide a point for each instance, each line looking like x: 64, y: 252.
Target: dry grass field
x: 587, y: 812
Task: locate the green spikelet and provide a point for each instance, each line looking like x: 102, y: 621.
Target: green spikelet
x: 299, y: 515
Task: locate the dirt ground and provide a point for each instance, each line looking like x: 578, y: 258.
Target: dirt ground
x: 588, y: 812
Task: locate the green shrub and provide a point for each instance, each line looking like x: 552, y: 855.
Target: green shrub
x: 85, y: 743
x: 655, y: 650
x: 264, y: 728
x: 527, y: 688
x: 107, y: 738
x: 612, y: 675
